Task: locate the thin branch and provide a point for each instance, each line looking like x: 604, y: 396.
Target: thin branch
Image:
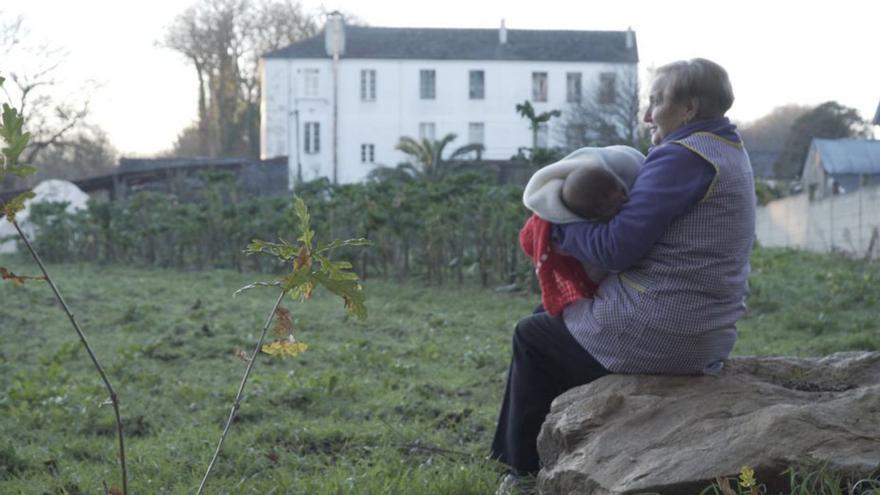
x: 417, y: 447
x: 114, y: 400
x: 411, y: 446
x: 38, y: 146
x: 237, y: 402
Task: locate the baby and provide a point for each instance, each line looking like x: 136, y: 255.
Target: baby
x: 593, y: 193
x: 589, y: 184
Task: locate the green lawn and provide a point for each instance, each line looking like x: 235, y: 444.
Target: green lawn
x: 808, y: 304
x: 404, y: 403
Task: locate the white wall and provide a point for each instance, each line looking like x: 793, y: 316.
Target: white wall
x: 814, y: 176
x: 274, y: 106
x: 398, y: 109
x: 842, y: 223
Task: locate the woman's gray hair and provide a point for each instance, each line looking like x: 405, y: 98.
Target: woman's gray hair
x: 703, y: 80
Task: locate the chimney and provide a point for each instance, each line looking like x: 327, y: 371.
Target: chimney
x: 630, y: 38
x: 334, y: 34
x: 502, y: 34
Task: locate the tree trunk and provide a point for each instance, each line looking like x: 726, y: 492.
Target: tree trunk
x: 204, y: 136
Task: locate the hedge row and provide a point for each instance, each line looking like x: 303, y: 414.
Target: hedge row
x: 449, y: 228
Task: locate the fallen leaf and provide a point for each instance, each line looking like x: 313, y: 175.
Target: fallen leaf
x: 18, y: 279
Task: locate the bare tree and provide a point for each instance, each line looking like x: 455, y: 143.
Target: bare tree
x: 606, y: 113
x: 10, y: 34
x: 53, y: 116
x: 224, y: 40
x: 765, y: 137
x: 274, y: 24
x: 87, y: 151
x: 771, y: 131
x: 187, y: 36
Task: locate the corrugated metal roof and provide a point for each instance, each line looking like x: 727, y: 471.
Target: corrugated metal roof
x: 472, y: 44
x: 849, y: 156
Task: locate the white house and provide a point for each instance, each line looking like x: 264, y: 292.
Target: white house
x: 420, y: 82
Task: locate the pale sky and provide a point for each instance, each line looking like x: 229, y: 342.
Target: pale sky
x: 776, y: 51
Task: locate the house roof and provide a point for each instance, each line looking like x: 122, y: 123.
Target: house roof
x: 472, y: 44
x: 849, y: 156
x: 136, y: 165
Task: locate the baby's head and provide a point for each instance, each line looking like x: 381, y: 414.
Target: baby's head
x: 589, y: 183
x: 593, y: 192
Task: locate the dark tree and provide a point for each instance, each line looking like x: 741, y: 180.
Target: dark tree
x: 830, y: 120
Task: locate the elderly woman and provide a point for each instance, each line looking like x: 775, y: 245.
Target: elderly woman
x: 680, y: 248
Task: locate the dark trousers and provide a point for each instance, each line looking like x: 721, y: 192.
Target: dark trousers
x: 546, y: 361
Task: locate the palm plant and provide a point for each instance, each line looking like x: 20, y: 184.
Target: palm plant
x: 427, y: 159
x: 526, y: 110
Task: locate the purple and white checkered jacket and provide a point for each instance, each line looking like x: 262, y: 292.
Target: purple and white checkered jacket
x: 674, y: 311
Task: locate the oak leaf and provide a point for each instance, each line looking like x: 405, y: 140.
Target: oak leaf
x: 285, y: 348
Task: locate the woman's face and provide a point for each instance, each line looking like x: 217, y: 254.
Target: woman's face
x: 663, y: 115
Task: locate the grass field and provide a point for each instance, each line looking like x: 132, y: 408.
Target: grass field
x: 404, y: 403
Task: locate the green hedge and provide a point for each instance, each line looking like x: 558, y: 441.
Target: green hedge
x: 456, y: 227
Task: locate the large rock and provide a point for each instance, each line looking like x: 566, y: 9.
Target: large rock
x: 48, y: 191
x: 626, y: 434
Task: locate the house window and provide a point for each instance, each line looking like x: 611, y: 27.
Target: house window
x: 573, y: 87
x: 543, y: 132
x: 539, y: 86
x: 427, y: 131
x: 476, y: 133
x: 477, y: 88
x: 310, y: 82
x: 312, y: 138
x: 368, y: 153
x: 607, y: 87
x: 368, y: 85
x: 427, y: 84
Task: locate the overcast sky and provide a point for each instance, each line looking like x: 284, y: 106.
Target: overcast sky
x: 776, y: 51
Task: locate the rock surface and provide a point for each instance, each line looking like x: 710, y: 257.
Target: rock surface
x: 627, y: 434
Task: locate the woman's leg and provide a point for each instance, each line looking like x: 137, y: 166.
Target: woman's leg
x: 546, y: 362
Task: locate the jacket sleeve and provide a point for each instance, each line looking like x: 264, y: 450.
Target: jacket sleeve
x: 672, y: 180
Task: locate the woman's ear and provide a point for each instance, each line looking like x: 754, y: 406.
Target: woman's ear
x: 691, y: 109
